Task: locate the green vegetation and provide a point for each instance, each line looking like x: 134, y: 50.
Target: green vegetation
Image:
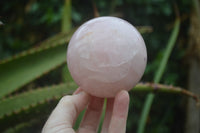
x: 34, y: 74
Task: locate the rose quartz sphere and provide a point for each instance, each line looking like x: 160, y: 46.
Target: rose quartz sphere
x: 106, y: 55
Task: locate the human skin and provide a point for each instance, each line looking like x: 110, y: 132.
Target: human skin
x: 65, y: 113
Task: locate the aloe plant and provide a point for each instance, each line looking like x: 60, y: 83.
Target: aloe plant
x: 22, y: 69
x: 158, y: 76
x: 18, y: 111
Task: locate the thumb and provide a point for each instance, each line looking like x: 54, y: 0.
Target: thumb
x: 68, y: 108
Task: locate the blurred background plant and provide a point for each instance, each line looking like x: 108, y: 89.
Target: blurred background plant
x: 34, y: 74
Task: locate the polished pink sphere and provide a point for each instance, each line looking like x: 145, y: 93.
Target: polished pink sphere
x: 106, y: 55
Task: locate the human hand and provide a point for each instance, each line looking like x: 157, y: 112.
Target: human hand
x: 64, y: 115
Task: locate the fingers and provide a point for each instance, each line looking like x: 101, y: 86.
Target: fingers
x: 120, y: 112
x: 65, y: 113
x: 90, y: 121
x: 108, y: 114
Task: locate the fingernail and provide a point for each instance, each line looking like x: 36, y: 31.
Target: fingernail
x: 122, y: 103
x: 79, y: 90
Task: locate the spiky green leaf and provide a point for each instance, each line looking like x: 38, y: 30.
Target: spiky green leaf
x: 31, y: 98
x: 17, y: 72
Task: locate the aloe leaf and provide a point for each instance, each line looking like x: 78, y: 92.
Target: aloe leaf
x: 59, y: 38
x: 17, y: 72
x: 32, y: 104
x: 22, y: 105
x: 158, y: 76
x: 25, y: 100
